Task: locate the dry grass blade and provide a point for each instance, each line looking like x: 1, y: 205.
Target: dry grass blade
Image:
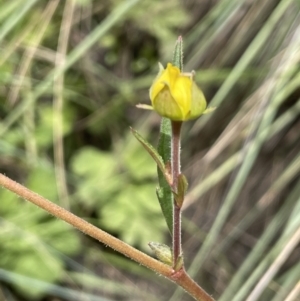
x: 275, y: 266
x: 294, y: 294
x: 58, y: 104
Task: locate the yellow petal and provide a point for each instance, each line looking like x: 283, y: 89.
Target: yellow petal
x: 167, y: 76
x: 182, y: 93
x: 176, y: 96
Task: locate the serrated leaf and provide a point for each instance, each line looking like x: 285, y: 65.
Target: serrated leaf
x: 45, y: 268
x: 89, y: 161
x: 31, y: 242
x: 42, y: 181
x: 134, y: 215
x: 97, y: 180
x: 133, y: 158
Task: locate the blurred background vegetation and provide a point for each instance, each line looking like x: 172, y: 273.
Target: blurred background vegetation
x: 71, y: 74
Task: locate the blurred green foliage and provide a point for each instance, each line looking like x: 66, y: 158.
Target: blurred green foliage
x: 31, y: 241
x: 242, y: 161
x: 125, y: 201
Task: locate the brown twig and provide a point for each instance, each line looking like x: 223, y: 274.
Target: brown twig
x: 179, y: 277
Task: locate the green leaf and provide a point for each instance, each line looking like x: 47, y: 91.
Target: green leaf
x: 164, y: 193
x: 96, y: 176
x: 133, y: 215
x: 137, y: 163
x: 165, y: 198
x: 44, y: 125
x: 43, y: 267
x: 42, y: 181
x: 31, y: 241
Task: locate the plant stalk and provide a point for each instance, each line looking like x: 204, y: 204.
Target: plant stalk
x: 186, y: 282
x: 179, y: 277
x: 175, y: 166
x: 86, y: 227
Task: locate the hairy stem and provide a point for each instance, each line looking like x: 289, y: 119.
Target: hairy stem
x: 179, y: 277
x: 186, y: 282
x: 175, y: 165
x: 176, y: 234
x: 86, y: 227
x: 176, y: 127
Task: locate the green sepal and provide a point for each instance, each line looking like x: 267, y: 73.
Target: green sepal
x: 155, y: 155
x: 162, y: 252
x: 164, y: 192
x: 181, y: 189
x: 178, y: 54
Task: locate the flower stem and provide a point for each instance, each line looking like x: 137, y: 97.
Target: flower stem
x: 176, y: 234
x: 175, y: 165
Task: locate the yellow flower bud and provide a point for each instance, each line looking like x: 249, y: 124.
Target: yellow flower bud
x: 176, y: 96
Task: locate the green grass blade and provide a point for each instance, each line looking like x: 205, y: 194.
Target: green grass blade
x: 72, y: 58
x: 55, y: 290
x: 265, y: 263
x: 252, y: 153
x: 287, y: 176
x: 291, y: 279
x: 245, y: 60
x: 260, y: 247
x: 15, y: 18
